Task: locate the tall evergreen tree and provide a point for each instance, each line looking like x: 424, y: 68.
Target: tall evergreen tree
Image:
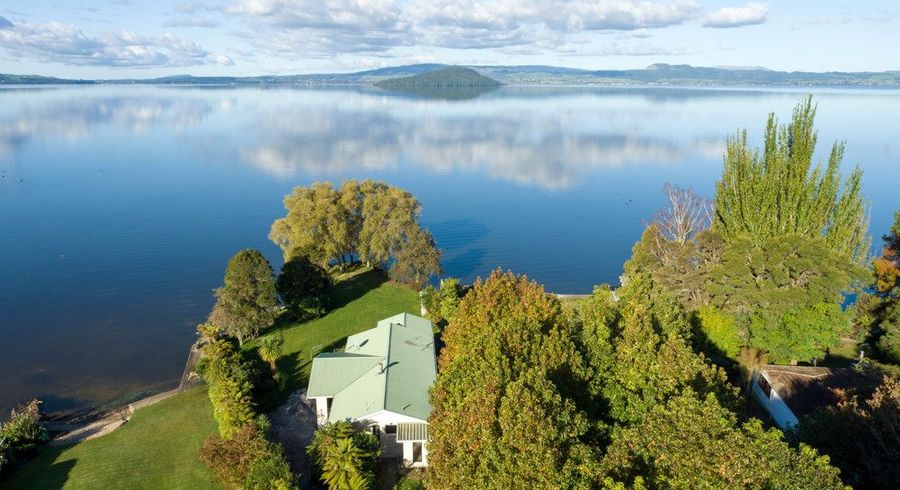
x: 780, y: 192
x: 247, y: 302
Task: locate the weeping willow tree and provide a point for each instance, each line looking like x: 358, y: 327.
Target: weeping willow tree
x: 780, y: 192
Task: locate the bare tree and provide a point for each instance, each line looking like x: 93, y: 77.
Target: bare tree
x: 687, y: 214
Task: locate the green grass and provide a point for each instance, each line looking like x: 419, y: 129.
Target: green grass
x: 362, y: 297
x: 157, y: 448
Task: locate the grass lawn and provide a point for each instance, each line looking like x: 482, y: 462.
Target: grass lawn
x: 362, y: 298
x: 157, y: 448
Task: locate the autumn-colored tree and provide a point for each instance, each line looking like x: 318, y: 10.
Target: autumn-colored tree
x: 693, y: 442
x: 246, y: 303
x: 502, y: 415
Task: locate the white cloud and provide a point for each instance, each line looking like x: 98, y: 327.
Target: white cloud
x: 315, y: 28
x: 750, y: 14
x: 66, y: 43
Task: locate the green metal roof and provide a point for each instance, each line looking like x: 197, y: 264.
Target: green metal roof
x: 390, y: 367
x: 334, y: 371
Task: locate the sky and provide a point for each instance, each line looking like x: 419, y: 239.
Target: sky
x: 142, y: 39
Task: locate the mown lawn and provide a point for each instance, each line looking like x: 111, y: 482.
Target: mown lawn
x: 157, y: 448
x: 362, y: 298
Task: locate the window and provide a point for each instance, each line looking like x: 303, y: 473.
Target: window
x: 417, y: 452
x: 390, y: 429
x: 764, y: 385
x: 329, y: 404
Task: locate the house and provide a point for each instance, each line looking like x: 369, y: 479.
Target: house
x: 790, y: 392
x: 380, y: 383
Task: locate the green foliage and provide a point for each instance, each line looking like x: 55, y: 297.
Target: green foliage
x: 417, y: 260
x: 230, y: 388
x: 24, y: 429
x: 270, y: 472
x: 270, y: 349
x: 20, y: 435
x: 414, y: 480
x: 778, y: 276
x: 800, y: 334
x: 370, y: 220
x: 450, y: 294
x: 431, y: 300
x: 345, y: 458
x: 861, y: 438
x: 247, y: 302
x: 780, y: 192
x: 692, y: 442
x: 720, y: 332
x: 501, y: 417
x: 247, y: 461
x: 889, y: 326
x: 651, y: 357
x: 304, y: 287
x: 681, y: 268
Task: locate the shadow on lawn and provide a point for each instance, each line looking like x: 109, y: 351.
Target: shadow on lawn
x: 52, y: 476
x: 293, y: 367
x: 355, y: 287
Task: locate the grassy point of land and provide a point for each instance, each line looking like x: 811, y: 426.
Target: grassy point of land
x: 159, y: 446
x: 362, y: 297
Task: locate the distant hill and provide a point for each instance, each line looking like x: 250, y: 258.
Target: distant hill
x: 434, y: 75
x: 37, y: 80
x: 447, y: 77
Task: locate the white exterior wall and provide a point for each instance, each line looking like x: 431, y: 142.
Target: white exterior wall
x: 321, y: 410
x: 408, y: 455
x: 389, y: 445
x: 776, y: 407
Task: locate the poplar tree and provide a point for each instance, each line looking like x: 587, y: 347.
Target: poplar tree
x: 778, y: 191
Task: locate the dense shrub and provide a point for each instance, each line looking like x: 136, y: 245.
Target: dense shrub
x: 230, y: 387
x: 22, y: 433
x: 247, y: 460
x: 719, y: 333
x: 451, y: 295
x: 431, y: 300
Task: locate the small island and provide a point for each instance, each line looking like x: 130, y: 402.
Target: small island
x: 449, y: 77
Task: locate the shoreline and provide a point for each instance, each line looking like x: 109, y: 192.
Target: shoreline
x: 85, y: 424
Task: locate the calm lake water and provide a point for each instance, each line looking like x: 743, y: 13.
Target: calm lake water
x: 119, y: 206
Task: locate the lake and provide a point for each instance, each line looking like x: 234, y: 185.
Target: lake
x: 120, y: 205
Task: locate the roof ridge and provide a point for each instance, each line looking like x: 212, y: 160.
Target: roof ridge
x: 387, y: 365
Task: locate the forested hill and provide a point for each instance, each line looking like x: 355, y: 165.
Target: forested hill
x: 449, y: 77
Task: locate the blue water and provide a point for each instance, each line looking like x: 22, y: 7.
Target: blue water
x: 120, y: 205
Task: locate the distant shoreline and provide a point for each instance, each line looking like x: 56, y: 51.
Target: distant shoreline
x: 659, y: 74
